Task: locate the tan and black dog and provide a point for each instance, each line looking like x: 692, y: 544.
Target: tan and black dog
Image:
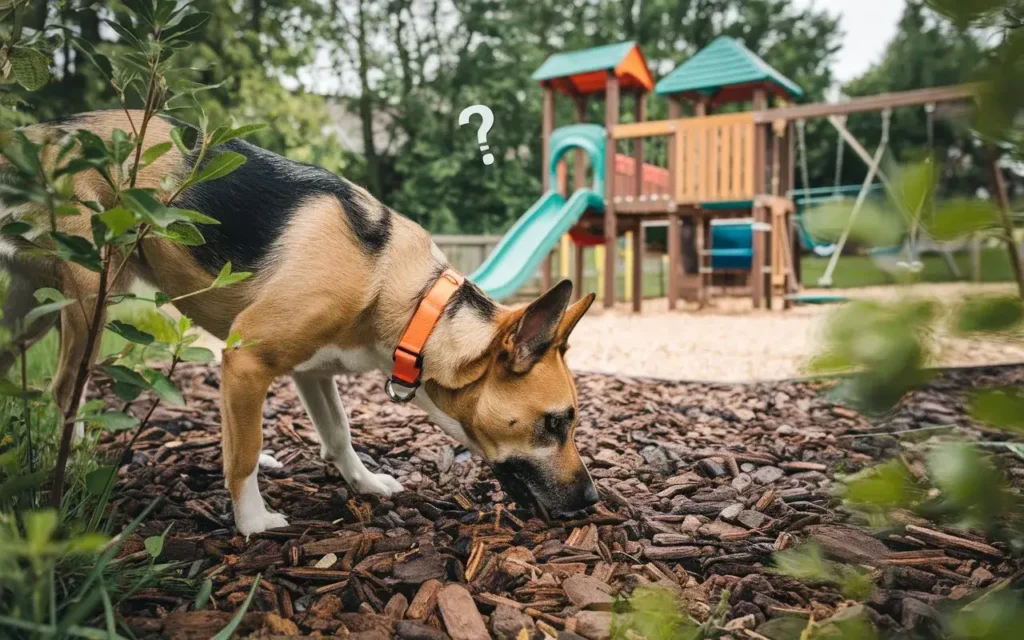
x: 337, y: 277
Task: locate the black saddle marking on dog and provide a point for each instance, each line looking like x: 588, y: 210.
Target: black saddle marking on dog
x: 255, y: 202
x: 470, y: 296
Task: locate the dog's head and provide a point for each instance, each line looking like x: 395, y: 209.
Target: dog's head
x: 521, y: 409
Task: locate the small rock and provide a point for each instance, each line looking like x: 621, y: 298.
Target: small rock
x: 981, y: 576
x: 784, y: 430
x: 746, y: 415
x: 657, y: 459
x: 712, y: 468
x: 920, y: 617
x: 747, y: 467
x: 742, y: 482
x: 743, y: 622
x: 326, y: 562
x: 506, y: 622
x: 729, y: 513
x: 768, y: 475
x: 751, y: 519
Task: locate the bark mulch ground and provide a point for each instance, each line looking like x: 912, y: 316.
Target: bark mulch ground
x: 701, y: 484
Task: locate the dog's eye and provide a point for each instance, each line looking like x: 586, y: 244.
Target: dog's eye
x: 557, y: 424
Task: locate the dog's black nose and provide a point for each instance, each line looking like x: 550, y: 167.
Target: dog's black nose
x: 590, y: 497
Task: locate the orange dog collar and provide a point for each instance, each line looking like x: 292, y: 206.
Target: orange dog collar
x: 408, y: 355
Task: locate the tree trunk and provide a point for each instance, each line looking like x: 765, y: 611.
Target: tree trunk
x: 366, y: 106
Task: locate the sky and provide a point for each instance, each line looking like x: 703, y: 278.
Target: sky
x: 868, y: 25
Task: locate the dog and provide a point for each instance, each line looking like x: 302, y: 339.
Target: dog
x: 337, y: 279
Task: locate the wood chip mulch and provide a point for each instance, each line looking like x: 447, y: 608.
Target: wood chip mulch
x: 701, y: 484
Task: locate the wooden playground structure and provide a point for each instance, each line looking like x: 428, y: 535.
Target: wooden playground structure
x: 737, y: 166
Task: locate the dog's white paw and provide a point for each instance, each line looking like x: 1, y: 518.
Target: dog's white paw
x: 259, y: 522
x: 380, y: 484
x: 268, y: 461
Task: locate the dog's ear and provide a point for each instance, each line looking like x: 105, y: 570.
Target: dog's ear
x: 573, y: 315
x: 537, y: 328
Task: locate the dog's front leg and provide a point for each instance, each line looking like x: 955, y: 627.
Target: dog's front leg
x: 319, y: 395
x: 244, y: 386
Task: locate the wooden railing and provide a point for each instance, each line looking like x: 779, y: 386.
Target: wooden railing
x: 712, y: 159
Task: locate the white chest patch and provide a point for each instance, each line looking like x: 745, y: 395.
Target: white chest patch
x: 334, y: 360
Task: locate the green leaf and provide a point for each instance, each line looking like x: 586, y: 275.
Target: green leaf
x: 45, y: 310
x: 22, y: 483
x: 220, y: 165
x: 151, y: 154
x: 96, y: 481
x: 223, y: 135
x: 126, y: 392
x: 78, y: 250
x: 228, y: 632
x: 179, y: 142
x: 87, y: 544
x: 968, y: 481
x: 160, y: 298
x: 196, y: 354
x: 39, y: 527
x: 989, y: 314
x: 1003, y: 408
x: 203, y: 595
x: 31, y: 68
x: 126, y: 35
x: 118, y: 220
x: 164, y: 388
x: 48, y: 294
x: 15, y: 228
x: 129, y: 332
x: 113, y: 420
x: 195, y: 216
x: 885, y: 486
x: 806, y: 562
x: 226, y: 277
x: 12, y: 390
x: 98, y: 60
x: 187, y: 25
x: 154, y: 546
x: 957, y: 218
x: 184, y: 233
x: 124, y: 375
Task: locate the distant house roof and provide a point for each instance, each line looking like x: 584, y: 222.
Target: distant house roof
x: 582, y: 72
x: 726, y: 71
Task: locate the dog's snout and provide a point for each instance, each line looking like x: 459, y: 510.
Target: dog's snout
x: 590, y: 497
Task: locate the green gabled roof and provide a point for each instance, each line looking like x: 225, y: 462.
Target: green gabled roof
x: 571, y: 63
x: 723, y: 63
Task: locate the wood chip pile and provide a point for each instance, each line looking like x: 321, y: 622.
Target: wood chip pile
x: 701, y: 484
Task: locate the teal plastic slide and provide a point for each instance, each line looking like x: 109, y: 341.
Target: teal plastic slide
x: 535, y: 234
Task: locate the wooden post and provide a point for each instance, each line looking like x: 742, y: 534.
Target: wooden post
x: 580, y: 169
x: 638, y: 266
x: 757, y: 276
x: 794, y: 234
x: 578, y: 273
x: 579, y: 180
x: 638, y: 144
x: 700, y: 234
x: 675, y: 262
x: 611, y: 118
x: 757, y: 261
x: 547, y: 126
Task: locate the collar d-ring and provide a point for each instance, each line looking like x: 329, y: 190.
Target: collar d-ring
x: 389, y: 388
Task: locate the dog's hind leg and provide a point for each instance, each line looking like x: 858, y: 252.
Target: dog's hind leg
x: 319, y: 394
